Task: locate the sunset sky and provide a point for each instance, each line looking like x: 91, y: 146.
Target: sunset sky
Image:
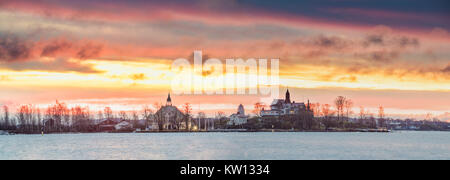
x: 119, y: 53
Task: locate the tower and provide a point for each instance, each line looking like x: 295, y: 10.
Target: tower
x: 169, y: 101
x: 309, y: 106
x: 288, y: 97
x: 241, y: 110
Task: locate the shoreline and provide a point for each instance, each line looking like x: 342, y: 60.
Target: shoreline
x: 3, y: 132
x: 267, y: 130
x: 222, y: 131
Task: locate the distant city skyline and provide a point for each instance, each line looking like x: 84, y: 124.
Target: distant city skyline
x: 118, y: 53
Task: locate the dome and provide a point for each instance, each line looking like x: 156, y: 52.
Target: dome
x: 241, y: 110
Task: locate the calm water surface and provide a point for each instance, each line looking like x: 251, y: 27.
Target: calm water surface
x: 229, y: 146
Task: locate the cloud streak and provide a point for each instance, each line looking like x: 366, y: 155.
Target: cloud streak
x: 58, y: 55
x: 247, y: 11
x: 54, y: 65
x: 13, y: 48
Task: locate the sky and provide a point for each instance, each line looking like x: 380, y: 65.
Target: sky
x: 114, y: 53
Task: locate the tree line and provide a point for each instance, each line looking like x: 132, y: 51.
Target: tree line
x: 59, y: 117
x: 339, y: 115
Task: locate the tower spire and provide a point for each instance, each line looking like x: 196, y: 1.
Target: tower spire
x: 309, y: 106
x: 169, y: 101
x: 288, y: 97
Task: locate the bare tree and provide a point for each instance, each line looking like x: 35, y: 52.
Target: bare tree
x: 221, y: 119
x: 39, y: 119
x: 339, y: 102
x: 99, y: 116
x: 428, y: 117
x: 88, y: 116
x: 108, y: 113
x: 123, y: 116
x: 315, y: 107
x: 26, y: 115
x: 135, y: 117
x: 381, y: 115
x: 258, y: 107
x: 65, y: 117
x: 348, y: 105
x: 159, y: 116
x: 187, y: 110
x: 147, y: 114
x: 56, y: 114
x: 362, y: 115
x: 179, y: 119
x: 2, y: 122
x: 327, y: 116
x: 220, y: 115
x: 372, y: 121
x: 21, y: 117
x: 78, y: 118
x: 6, y: 116
x: 61, y: 114
x: 326, y: 110
x: 81, y: 117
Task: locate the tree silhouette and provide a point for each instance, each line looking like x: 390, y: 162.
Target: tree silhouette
x: 258, y: 107
x: 108, y: 113
x: 339, y: 103
x: 187, y: 110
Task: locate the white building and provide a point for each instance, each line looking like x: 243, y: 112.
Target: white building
x: 239, y: 118
x: 124, y: 125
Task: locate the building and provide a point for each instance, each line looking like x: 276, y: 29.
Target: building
x: 123, y: 126
x: 169, y: 117
x: 239, y: 118
x: 280, y: 107
x: 107, y: 125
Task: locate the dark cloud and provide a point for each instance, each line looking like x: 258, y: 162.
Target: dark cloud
x: 330, y: 42
x: 377, y: 47
x: 447, y: 69
x: 13, y: 48
x: 378, y: 56
x: 57, y: 65
x: 55, y: 47
x: 89, y: 51
x: 382, y: 46
x: 359, y: 69
x: 319, y: 46
x: 315, y: 54
x: 374, y: 39
x: 389, y: 40
x: 407, y: 42
x: 19, y: 54
x: 383, y: 56
x: 434, y: 12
